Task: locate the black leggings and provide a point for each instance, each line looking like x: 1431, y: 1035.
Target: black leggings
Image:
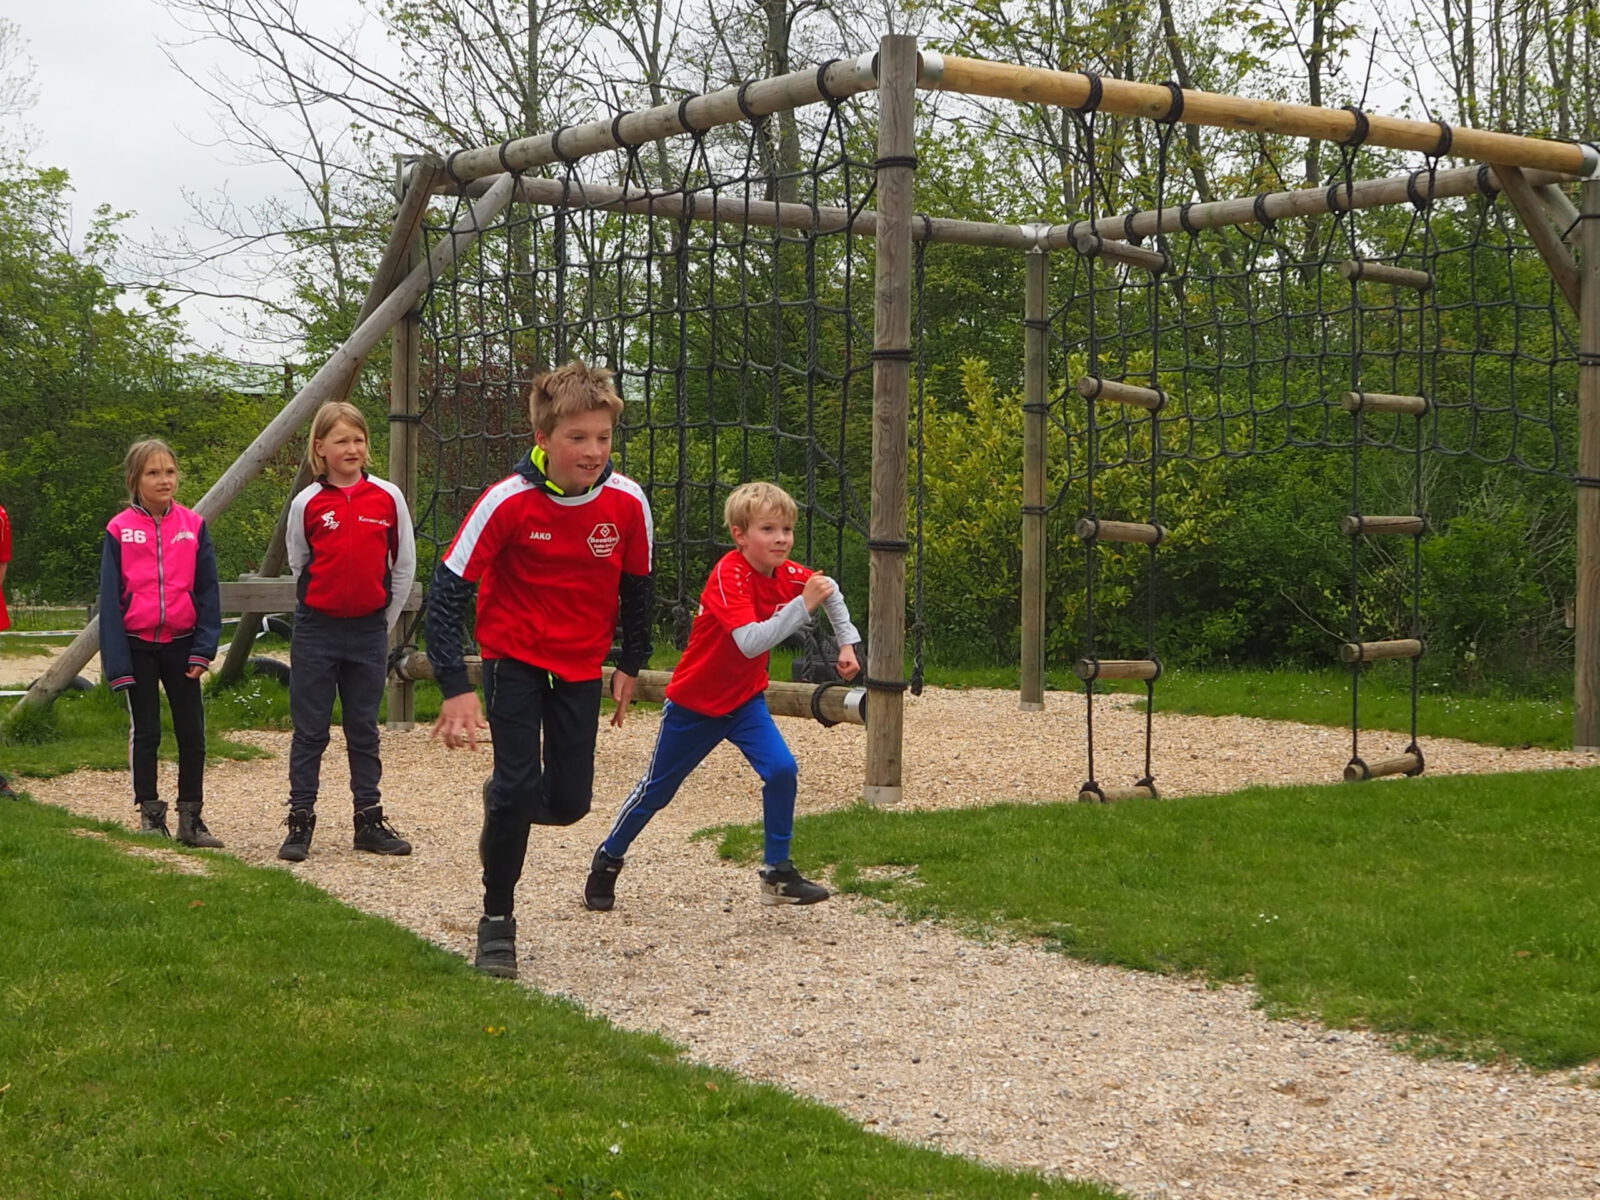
x: 157, y: 665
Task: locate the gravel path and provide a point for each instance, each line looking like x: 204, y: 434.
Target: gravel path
x: 1006, y: 1053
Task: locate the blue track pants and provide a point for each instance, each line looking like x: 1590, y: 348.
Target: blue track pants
x: 684, y: 741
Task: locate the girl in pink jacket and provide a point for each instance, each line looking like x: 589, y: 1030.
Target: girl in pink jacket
x: 160, y: 621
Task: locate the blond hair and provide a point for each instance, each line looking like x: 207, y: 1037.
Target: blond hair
x: 571, y: 391
x: 749, y: 500
x: 329, y: 415
x: 138, y: 458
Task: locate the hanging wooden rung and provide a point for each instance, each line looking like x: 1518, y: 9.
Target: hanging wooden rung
x: 1099, y: 794
x: 1359, y: 524
x: 1092, y: 387
x: 1376, y: 272
x: 1120, y: 531
x: 1365, y: 402
x: 1092, y: 244
x: 1118, y: 668
x: 1409, y: 763
x: 1354, y: 652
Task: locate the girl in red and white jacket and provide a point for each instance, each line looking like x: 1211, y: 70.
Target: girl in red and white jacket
x: 353, y: 557
x: 160, y: 620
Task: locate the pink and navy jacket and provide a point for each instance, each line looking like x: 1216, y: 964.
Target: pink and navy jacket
x: 158, y: 582
x: 351, y: 549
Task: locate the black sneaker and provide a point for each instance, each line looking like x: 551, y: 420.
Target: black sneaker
x: 497, y: 947
x: 600, y: 889
x: 302, y: 823
x: 782, y: 884
x: 376, y: 836
x: 5, y: 789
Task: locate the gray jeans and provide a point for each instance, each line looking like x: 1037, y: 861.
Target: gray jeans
x: 347, y: 657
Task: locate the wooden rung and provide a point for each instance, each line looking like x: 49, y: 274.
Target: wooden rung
x: 1118, y: 668
x: 1376, y: 272
x: 1092, y: 387
x: 1365, y: 402
x: 1358, y: 524
x: 1110, y: 795
x: 1354, y: 652
x: 1405, y: 764
x: 1120, y: 531
x: 1091, y: 244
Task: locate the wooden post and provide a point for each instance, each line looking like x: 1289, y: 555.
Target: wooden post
x: 405, y: 370
x: 1035, y: 370
x: 891, y: 404
x: 328, y: 383
x: 1586, y: 600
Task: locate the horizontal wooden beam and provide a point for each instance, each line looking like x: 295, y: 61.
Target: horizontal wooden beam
x: 1120, y: 531
x: 1093, y: 387
x: 1117, y: 668
x: 254, y: 594
x: 1363, y: 270
x: 1360, y: 524
x: 1409, y: 763
x: 1156, y: 101
x: 831, y: 703
x: 807, y: 219
x: 1354, y: 652
x: 842, y: 78
x: 1363, y: 402
x: 1100, y: 794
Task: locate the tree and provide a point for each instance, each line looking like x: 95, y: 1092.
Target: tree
x: 82, y: 374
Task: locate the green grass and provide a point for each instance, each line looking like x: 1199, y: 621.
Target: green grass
x: 243, y: 1034
x: 1323, y: 698
x: 1458, y: 915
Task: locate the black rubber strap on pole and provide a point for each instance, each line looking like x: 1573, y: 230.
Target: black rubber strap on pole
x: 750, y: 114
x: 1176, y: 110
x: 1446, y: 137
x: 1363, y: 127
x: 822, y: 82
x: 1097, y: 93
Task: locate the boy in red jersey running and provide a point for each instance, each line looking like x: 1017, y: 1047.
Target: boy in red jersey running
x: 754, y: 599
x: 561, y: 550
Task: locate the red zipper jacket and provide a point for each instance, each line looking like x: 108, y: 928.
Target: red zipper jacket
x: 351, y: 549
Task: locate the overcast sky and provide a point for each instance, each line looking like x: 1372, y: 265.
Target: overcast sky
x: 131, y: 130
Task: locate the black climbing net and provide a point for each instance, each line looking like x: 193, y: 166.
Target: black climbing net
x: 1253, y: 335
x: 741, y: 344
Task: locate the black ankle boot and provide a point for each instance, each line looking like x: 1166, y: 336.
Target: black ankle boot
x: 153, y: 818
x: 192, y: 830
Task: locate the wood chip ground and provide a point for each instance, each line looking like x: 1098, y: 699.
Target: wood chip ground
x: 1003, y: 1052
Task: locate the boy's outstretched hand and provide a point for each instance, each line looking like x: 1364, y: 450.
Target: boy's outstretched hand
x: 847, y: 662
x: 622, y: 685
x: 460, y: 718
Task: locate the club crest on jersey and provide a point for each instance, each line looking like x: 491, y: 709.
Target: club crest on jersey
x: 183, y: 535
x: 603, y: 539
x: 329, y: 521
